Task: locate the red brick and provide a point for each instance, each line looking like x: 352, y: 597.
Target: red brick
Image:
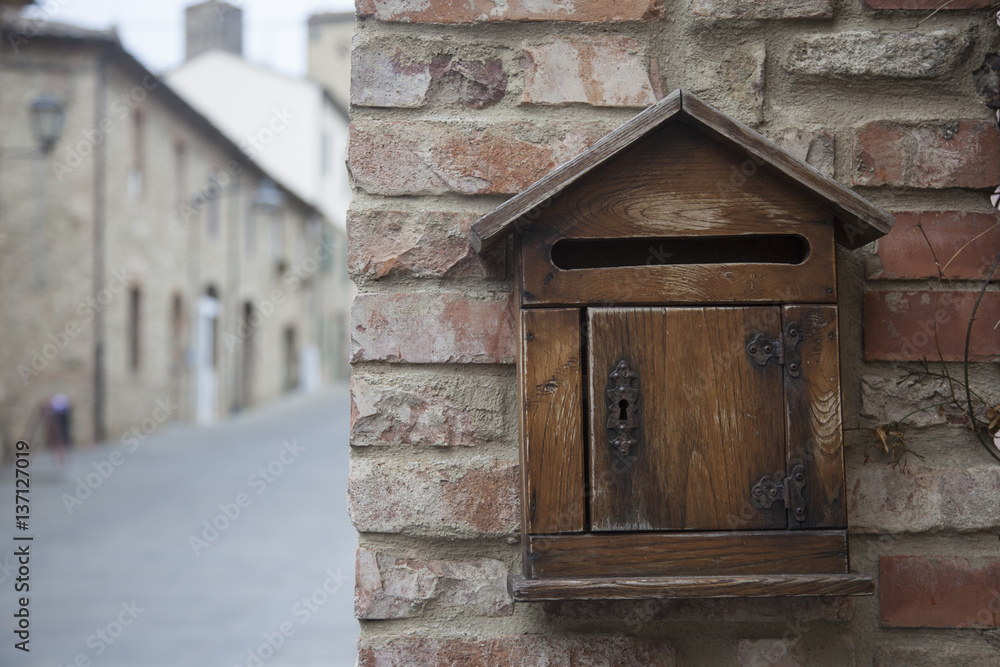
x: 882, y: 500
x: 899, y: 326
x: 475, y: 498
x: 904, y: 253
x: 428, y: 158
x: 432, y: 409
x: 438, y: 11
x: 515, y: 651
x: 602, y: 71
x: 433, y: 327
x: 424, y: 245
x: 939, y: 592
x: 390, y: 586
x: 773, y: 9
x: 928, y: 5
x: 958, y: 154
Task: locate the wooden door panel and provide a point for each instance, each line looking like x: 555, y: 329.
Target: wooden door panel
x: 550, y: 381
x: 712, y: 421
x: 815, y: 437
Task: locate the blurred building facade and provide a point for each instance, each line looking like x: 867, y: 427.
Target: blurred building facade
x: 329, y: 53
x: 292, y: 127
x: 151, y: 269
x: 212, y: 25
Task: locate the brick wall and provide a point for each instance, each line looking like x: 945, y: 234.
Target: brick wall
x: 458, y: 105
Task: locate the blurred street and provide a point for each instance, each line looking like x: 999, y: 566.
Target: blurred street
x: 207, y: 546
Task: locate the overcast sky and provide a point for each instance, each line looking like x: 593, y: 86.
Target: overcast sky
x: 274, y: 31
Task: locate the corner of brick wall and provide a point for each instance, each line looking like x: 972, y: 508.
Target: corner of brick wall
x: 457, y: 106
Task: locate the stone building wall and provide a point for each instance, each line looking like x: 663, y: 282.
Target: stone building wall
x: 185, y: 231
x: 39, y: 357
x: 457, y: 106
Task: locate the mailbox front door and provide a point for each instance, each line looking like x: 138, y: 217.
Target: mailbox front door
x: 691, y: 407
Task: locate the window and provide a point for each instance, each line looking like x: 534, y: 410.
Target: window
x: 291, y: 359
x: 176, y: 348
x: 251, y: 233
x: 133, y: 186
x: 179, y: 175
x: 212, y: 221
x: 134, y: 328
x: 277, y: 238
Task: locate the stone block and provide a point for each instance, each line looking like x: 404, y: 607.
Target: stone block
x: 389, y: 586
x: 886, y: 400
x: 773, y: 9
x: 387, y: 76
x: 601, y: 71
x: 432, y: 409
x: 815, y: 147
x: 934, y: 656
x: 430, y: 158
x: 433, y: 327
x: 887, y: 54
x: 519, y: 650
x: 884, y: 501
x: 472, y: 497
x: 587, y: 11
x: 386, y: 244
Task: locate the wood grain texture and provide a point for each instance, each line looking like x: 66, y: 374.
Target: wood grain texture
x: 641, y: 588
x: 641, y: 195
x: 815, y: 436
x: 501, y: 221
x: 859, y: 221
x: 674, y: 554
x: 551, y: 382
x: 712, y: 420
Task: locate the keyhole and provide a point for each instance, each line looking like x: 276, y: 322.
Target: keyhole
x: 623, y: 406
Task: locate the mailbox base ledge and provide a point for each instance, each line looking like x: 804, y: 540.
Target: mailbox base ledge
x: 728, y: 586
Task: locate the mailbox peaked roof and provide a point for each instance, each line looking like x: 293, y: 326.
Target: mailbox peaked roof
x: 858, y: 221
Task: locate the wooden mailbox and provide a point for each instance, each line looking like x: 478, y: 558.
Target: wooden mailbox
x: 678, y: 365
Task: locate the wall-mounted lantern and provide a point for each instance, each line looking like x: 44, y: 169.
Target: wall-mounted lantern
x: 48, y: 115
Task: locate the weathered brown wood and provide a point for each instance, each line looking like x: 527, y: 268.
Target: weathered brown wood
x: 551, y: 381
x: 712, y: 420
x: 675, y: 554
x: 497, y: 224
x: 858, y: 221
x: 861, y: 221
x: 522, y: 450
x: 641, y: 195
x: 775, y: 585
x: 815, y: 437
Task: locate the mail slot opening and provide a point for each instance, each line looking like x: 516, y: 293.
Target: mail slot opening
x: 750, y: 249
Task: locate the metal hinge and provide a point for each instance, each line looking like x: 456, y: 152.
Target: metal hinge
x: 785, y: 351
x: 772, y: 488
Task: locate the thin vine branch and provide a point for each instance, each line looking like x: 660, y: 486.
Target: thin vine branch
x: 990, y: 448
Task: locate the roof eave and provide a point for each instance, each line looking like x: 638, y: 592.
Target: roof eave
x: 858, y: 221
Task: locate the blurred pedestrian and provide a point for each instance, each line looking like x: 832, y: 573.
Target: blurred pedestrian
x: 51, y: 417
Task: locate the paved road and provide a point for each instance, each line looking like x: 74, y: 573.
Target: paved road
x: 117, y: 581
